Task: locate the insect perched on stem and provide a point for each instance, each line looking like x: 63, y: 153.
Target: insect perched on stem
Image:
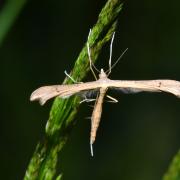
x: 102, y: 84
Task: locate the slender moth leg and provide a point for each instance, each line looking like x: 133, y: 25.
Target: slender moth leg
x: 72, y: 79
x: 113, y: 100
x: 87, y: 100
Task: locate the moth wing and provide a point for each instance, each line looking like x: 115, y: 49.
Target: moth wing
x: 45, y: 93
x: 127, y: 90
x: 169, y: 86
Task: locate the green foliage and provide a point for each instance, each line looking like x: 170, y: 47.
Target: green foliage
x: 8, y: 15
x: 173, y: 172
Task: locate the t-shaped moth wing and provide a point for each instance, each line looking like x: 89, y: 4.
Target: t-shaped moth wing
x: 169, y: 86
x: 45, y: 93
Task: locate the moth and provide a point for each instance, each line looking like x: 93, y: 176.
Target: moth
x: 102, y: 84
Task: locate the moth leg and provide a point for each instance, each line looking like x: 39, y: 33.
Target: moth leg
x: 87, y: 100
x: 113, y: 100
x: 72, y: 79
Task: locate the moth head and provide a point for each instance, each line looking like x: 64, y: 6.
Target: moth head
x: 102, y: 74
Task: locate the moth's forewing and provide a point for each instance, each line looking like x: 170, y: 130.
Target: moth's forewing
x: 170, y: 86
x: 45, y: 93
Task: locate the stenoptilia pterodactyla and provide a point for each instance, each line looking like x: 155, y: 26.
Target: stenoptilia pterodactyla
x: 102, y: 84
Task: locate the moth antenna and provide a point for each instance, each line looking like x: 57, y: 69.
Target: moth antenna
x: 65, y: 72
x: 110, y: 54
x: 90, y: 53
x: 117, y: 61
x: 90, y: 60
x: 91, y: 148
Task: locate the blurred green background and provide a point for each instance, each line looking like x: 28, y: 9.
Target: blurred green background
x: 138, y: 136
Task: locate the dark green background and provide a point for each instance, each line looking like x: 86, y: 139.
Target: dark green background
x: 138, y: 136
